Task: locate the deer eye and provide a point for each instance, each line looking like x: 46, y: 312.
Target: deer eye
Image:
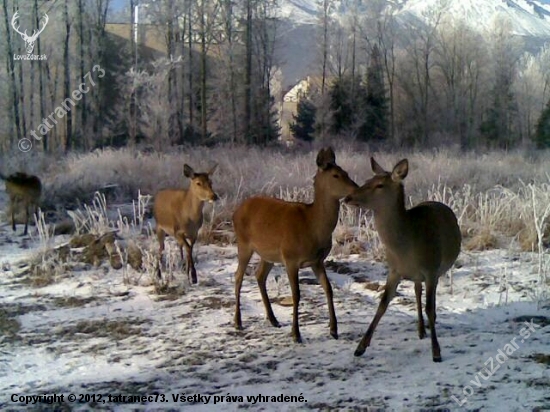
x: 379, y: 186
x: 336, y: 176
x: 199, y: 184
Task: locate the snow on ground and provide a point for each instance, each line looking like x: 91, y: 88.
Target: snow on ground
x: 92, y: 333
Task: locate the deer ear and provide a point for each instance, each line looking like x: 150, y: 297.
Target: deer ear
x: 376, y: 168
x: 326, y: 158
x: 188, y: 171
x: 212, y: 169
x: 400, y: 170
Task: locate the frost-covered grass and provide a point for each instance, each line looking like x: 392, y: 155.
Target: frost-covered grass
x: 499, y: 197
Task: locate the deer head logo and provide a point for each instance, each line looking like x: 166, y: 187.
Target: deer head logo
x: 29, y: 40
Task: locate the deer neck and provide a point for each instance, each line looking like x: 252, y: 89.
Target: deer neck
x: 392, y: 224
x: 324, y: 214
x: 192, y: 205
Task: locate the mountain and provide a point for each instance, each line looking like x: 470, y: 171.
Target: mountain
x: 298, y: 38
x: 530, y: 19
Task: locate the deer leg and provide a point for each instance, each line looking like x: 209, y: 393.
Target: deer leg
x: 387, y: 296
x: 182, y: 259
x: 190, y: 262
x: 292, y: 271
x: 26, y: 219
x: 244, y: 256
x: 182, y: 242
x: 418, y: 293
x: 12, y: 201
x: 431, y: 286
x: 261, y: 276
x: 161, y: 235
x: 320, y: 272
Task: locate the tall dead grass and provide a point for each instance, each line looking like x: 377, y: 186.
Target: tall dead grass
x: 498, y: 196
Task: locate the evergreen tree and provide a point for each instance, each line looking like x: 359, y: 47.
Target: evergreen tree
x: 344, y: 103
x: 498, y: 125
x: 542, y: 132
x: 303, y: 126
x: 375, y: 125
x: 264, y: 127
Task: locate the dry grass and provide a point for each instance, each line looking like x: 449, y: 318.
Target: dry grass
x: 499, y: 197
x: 115, y: 329
x: 9, y: 325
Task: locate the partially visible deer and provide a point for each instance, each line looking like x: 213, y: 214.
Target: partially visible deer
x: 297, y: 235
x: 422, y: 243
x: 25, y: 189
x: 178, y: 213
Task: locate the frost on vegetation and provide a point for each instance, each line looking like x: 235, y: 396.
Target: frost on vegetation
x: 500, y: 199
x: 93, y: 219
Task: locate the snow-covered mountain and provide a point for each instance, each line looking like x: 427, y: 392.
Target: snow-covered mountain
x: 528, y: 17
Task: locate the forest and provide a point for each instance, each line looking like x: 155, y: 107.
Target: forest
x: 216, y: 75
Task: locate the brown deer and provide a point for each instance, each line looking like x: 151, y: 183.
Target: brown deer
x: 297, y: 235
x: 178, y: 213
x: 26, y: 189
x: 422, y: 243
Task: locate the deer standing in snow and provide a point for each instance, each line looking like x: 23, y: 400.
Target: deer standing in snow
x: 422, y: 243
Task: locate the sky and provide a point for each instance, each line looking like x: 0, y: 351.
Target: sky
x: 118, y: 4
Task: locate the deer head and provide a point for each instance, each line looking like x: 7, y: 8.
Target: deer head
x: 29, y: 40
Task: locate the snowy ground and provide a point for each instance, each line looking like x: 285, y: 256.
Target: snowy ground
x: 91, y: 333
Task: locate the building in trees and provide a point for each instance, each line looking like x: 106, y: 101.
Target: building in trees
x: 289, y: 107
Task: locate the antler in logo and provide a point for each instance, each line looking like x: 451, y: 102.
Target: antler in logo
x: 29, y: 40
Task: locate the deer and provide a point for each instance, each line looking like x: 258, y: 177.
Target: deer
x: 26, y: 189
x: 29, y: 40
x: 422, y: 243
x: 298, y: 235
x: 179, y: 213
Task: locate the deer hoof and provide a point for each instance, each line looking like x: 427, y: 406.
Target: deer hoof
x: 437, y: 359
x: 334, y: 334
x: 275, y: 323
x: 359, y: 351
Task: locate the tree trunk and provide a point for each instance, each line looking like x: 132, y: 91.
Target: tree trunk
x: 83, y: 104
x: 67, y: 78
x: 11, y: 71
x: 191, y: 77
x: 203, y: 74
x: 248, y: 74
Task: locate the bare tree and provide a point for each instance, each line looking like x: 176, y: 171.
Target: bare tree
x: 11, y: 71
x: 67, y: 77
x: 500, y: 123
x: 381, y: 31
x: 460, y: 63
x: 326, y: 6
x: 225, y: 84
x: 420, y: 52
